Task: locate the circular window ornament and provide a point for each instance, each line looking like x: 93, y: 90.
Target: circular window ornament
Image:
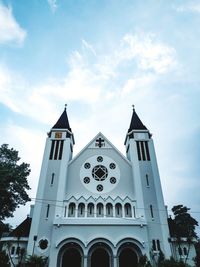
x: 87, y: 165
x: 86, y: 180
x: 99, y: 172
x: 112, y: 166
x: 99, y: 187
x: 113, y: 180
x: 99, y: 158
x: 102, y: 176
x: 43, y: 244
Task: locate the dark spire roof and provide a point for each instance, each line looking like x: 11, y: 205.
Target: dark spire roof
x: 136, y: 123
x: 62, y: 122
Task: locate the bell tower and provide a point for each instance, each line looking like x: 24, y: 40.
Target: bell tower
x: 141, y: 153
x: 57, y: 153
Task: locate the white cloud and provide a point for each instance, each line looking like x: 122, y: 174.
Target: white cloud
x: 191, y: 6
x: 92, y: 76
x: 10, y: 30
x: 149, y: 53
x: 53, y: 5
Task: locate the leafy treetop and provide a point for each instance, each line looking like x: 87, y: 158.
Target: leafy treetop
x: 13, y: 181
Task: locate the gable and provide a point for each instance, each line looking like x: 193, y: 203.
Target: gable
x: 99, y: 170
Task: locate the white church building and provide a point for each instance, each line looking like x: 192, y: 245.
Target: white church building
x: 99, y: 208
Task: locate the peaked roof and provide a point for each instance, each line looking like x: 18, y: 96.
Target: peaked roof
x: 62, y: 122
x: 136, y: 123
x: 108, y: 143
x: 23, y: 229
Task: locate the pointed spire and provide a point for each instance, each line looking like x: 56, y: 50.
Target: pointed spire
x: 136, y: 123
x: 62, y: 122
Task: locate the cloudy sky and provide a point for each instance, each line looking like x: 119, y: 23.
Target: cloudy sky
x: 100, y: 57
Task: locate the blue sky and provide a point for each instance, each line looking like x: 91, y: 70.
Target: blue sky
x: 100, y: 57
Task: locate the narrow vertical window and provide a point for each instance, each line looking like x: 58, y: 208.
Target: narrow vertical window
x: 52, y: 178
x: 185, y: 251
x: 151, y: 211
x: 118, y: 210
x: 52, y: 149
x: 109, y: 210
x: 147, y: 180
x: 65, y: 212
x: 143, y: 153
x: 180, y: 252
x: 127, y: 210
x: 61, y: 149
x: 71, y: 210
x: 134, y: 214
x: 138, y: 150
x: 154, y: 244
x: 90, y: 210
x: 158, y: 244
x: 47, y: 212
x: 56, y: 150
x: 99, y: 210
x: 12, y: 250
x: 81, y: 210
x: 147, y: 150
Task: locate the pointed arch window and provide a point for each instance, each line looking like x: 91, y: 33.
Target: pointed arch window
x: 81, y: 210
x: 118, y: 210
x: 99, y: 210
x: 90, y: 210
x: 109, y: 210
x: 71, y: 210
x: 127, y: 209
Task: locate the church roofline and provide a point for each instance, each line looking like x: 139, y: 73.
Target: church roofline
x: 82, y: 150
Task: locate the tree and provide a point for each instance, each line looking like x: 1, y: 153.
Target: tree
x: 183, y: 225
x: 13, y: 182
x: 4, y: 259
x: 36, y: 261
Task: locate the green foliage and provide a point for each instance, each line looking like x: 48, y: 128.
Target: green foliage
x: 172, y: 263
x: 4, y: 259
x: 183, y: 224
x: 36, y: 261
x: 197, y: 258
x: 13, y: 182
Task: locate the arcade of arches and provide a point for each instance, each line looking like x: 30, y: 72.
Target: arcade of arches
x: 99, y: 255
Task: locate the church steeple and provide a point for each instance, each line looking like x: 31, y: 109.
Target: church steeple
x: 63, y: 122
x: 136, y: 123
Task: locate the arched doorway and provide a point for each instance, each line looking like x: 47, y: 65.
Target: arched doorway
x: 100, y: 258
x: 128, y: 258
x: 71, y: 257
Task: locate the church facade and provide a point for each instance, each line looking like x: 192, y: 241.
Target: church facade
x: 99, y: 208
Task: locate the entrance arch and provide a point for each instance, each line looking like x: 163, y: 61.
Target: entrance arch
x: 100, y: 258
x: 71, y: 257
x: 70, y: 254
x: 128, y: 258
x: 100, y: 254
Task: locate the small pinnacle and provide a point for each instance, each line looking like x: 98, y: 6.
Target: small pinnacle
x: 133, y: 107
x: 65, y: 106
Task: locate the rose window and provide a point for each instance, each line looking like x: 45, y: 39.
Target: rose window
x: 99, y: 173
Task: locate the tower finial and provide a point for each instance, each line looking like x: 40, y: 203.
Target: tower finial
x: 65, y: 106
x: 133, y: 106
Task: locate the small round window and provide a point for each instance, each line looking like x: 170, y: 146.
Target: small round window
x: 86, y: 180
x: 99, y: 159
x: 43, y: 244
x: 112, y: 180
x: 99, y: 187
x: 87, y: 165
x: 112, y: 166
